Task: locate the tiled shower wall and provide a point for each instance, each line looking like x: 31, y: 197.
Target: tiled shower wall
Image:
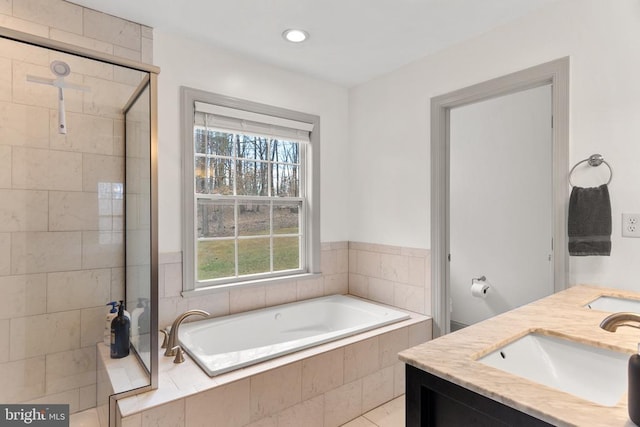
x: 61, y: 252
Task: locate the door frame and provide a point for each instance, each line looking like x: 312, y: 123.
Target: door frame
x: 555, y: 73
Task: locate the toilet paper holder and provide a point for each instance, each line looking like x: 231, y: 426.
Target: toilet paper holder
x: 478, y: 279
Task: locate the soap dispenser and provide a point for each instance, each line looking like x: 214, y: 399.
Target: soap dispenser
x: 120, y: 330
x: 113, y: 312
x: 633, y: 401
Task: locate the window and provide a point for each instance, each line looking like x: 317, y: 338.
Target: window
x: 250, y: 196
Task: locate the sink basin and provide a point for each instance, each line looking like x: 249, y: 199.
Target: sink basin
x: 614, y: 304
x: 592, y: 373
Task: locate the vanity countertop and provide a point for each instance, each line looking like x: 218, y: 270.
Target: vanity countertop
x: 453, y: 357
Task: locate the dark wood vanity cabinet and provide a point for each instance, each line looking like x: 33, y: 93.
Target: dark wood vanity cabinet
x: 434, y: 402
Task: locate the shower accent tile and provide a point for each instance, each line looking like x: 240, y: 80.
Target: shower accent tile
x: 26, y: 378
x: 5, y: 79
x: 343, y: 404
x: 75, y: 211
x: 78, y: 40
x: 246, y: 299
x: 53, y: 13
x: 23, y: 210
x: 24, y: 125
x: 4, y: 340
x: 275, y: 390
x: 39, y: 252
x: 69, y: 370
x: 5, y: 254
x: 46, y: 333
x: 24, y: 26
x: 23, y: 295
x: 102, y: 249
x: 32, y: 169
x: 5, y: 166
x: 111, y: 29
x: 73, y: 290
x: 322, y: 373
x: 92, y: 322
x: 228, y: 405
x: 361, y: 359
x: 377, y: 388
x: 99, y: 169
x: 309, y: 413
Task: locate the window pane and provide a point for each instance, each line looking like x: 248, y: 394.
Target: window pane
x: 213, y: 175
x: 285, y: 151
x: 252, y: 178
x: 285, y: 180
x: 253, y: 219
x: 252, y: 147
x: 215, y: 219
x: 286, y: 218
x: 216, y: 259
x: 286, y: 253
x: 253, y: 256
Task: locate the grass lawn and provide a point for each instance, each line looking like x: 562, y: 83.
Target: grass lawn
x: 216, y: 259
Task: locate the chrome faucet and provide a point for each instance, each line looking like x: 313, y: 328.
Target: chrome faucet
x: 615, y: 320
x: 173, y: 334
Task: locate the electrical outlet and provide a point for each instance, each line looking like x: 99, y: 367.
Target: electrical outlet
x: 630, y: 225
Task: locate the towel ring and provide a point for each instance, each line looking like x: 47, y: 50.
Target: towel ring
x: 594, y: 160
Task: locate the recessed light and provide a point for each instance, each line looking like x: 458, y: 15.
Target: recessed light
x: 295, y: 36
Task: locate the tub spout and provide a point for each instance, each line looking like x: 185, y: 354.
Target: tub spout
x: 615, y: 320
x: 173, y: 334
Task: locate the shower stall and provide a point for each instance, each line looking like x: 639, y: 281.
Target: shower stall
x: 78, y: 215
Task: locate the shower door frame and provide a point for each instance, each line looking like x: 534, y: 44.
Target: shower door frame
x: 153, y: 72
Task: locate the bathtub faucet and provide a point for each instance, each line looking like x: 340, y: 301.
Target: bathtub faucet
x: 173, y: 334
x: 615, y: 320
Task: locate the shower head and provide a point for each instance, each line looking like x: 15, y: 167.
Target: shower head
x: 60, y: 69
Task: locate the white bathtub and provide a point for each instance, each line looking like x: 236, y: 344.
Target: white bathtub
x: 226, y: 343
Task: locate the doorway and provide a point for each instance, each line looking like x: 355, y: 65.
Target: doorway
x: 555, y: 75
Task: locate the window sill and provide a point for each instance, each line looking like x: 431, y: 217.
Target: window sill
x: 248, y: 284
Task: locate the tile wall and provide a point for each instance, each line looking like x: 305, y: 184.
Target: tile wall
x: 392, y: 275
x: 61, y: 252
x: 333, y: 280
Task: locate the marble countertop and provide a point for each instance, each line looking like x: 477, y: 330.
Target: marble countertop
x: 453, y: 357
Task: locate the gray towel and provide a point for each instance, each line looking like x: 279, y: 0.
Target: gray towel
x: 589, y: 224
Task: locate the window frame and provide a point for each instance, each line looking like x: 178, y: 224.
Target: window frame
x: 310, y: 253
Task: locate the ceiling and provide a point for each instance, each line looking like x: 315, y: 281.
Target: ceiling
x: 351, y: 41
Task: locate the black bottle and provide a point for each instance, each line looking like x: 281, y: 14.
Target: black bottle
x: 634, y: 388
x: 120, y: 327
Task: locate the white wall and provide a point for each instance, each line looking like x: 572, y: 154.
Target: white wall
x: 389, y: 122
x: 185, y: 62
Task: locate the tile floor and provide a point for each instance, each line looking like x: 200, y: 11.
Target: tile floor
x: 391, y: 414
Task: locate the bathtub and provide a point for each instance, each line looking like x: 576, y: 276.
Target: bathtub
x: 223, y: 344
